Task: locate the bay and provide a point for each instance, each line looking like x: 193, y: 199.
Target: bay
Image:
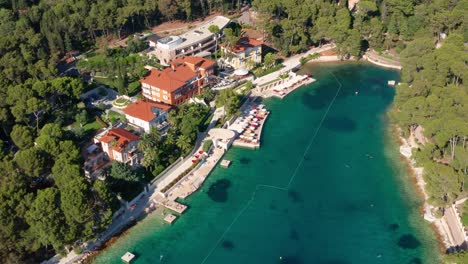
x: 327, y: 186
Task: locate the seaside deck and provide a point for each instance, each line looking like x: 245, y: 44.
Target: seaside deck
x: 195, y: 179
x: 249, y: 125
x: 282, y: 87
x: 284, y: 90
x: 225, y: 163
x: 170, y: 218
x: 171, y: 205
x: 128, y: 257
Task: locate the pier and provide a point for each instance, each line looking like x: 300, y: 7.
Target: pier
x: 283, y: 86
x: 225, y: 163
x: 291, y: 85
x: 171, y: 205
x: 170, y: 218
x: 249, y: 125
x: 128, y: 257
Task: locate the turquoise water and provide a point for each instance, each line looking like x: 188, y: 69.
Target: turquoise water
x: 326, y: 187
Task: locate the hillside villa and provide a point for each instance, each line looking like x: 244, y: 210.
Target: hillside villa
x: 119, y: 145
x: 246, y: 54
x: 196, y: 42
x: 146, y: 114
x: 184, y: 79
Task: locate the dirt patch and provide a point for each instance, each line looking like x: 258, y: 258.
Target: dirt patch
x: 178, y: 27
x: 329, y: 52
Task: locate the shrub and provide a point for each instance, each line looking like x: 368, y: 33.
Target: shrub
x: 176, y: 180
x: 465, y: 219
x: 207, y: 145
x: 101, y: 122
x: 133, y: 88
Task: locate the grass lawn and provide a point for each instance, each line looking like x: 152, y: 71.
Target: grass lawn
x: 114, y: 116
x: 259, y: 71
x: 91, y: 127
x: 121, y: 102
x: 464, y: 219
x: 88, y: 130
x: 106, y: 81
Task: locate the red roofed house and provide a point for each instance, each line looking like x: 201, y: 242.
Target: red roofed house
x: 182, y: 80
x: 246, y: 54
x: 146, y: 114
x: 120, y: 145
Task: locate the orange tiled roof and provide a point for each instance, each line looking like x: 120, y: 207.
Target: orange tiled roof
x: 197, y: 61
x: 174, y: 77
x: 144, y: 109
x: 245, y: 43
x: 122, y: 136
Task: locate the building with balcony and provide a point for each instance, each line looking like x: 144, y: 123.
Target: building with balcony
x: 246, y: 54
x: 196, y: 42
x: 184, y: 79
x: 147, y: 114
x: 119, y: 145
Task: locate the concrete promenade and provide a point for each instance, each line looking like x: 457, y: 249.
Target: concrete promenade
x: 291, y: 63
x: 374, y: 58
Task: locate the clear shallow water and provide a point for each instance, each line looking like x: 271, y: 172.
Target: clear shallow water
x: 326, y: 187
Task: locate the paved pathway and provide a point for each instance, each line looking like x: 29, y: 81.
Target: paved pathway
x: 375, y: 58
x: 454, y: 225
x: 291, y: 63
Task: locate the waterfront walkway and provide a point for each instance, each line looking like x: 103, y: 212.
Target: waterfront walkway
x: 374, y: 58
x: 290, y: 63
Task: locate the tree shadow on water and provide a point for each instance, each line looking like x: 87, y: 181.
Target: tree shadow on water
x: 394, y: 227
x: 408, y: 241
x: 244, y: 161
x: 294, y: 196
x: 340, y: 124
x: 218, y: 190
x: 228, y: 245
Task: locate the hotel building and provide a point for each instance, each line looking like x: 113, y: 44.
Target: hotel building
x: 196, y: 42
x: 184, y: 79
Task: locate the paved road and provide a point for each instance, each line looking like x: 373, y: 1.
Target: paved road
x: 455, y: 226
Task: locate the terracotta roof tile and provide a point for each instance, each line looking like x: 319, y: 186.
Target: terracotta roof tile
x: 245, y: 43
x: 174, y: 77
x: 144, y: 109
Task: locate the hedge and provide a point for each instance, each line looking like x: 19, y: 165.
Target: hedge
x: 207, y: 145
x: 176, y: 180
x: 101, y: 122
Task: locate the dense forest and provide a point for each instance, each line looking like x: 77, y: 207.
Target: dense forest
x: 46, y: 205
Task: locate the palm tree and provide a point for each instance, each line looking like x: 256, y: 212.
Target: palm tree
x: 183, y: 142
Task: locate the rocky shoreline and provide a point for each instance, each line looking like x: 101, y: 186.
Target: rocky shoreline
x: 440, y: 227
